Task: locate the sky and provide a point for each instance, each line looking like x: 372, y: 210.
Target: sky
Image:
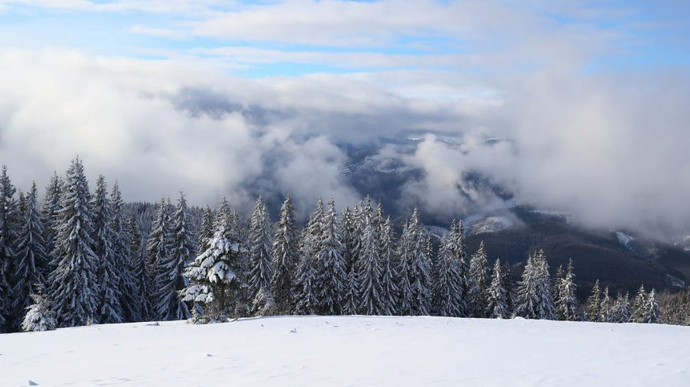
x: 229, y: 97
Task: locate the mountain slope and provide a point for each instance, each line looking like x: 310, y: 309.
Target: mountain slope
x: 360, y: 351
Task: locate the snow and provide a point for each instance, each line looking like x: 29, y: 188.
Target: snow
x: 624, y: 239
x: 352, y: 351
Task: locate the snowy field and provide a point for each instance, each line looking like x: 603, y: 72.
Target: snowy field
x: 350, y: 351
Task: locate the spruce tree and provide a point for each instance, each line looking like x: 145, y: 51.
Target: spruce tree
x: 534, y: 291
x: 594, y: 303
x: 74, y: 282
x: 285, y: 257
x: 638, y: 305
x: 260, y: 254
x: 416, y: 285
x: 304, y: 292
x: 388, y: 257
x: 214, y: 278
x: 8, y: 237
x: 605, y: 307
x: 158, y: 247
x: 39, y: 315
x: 110, y: 308
x: 141, y: 273
x: 477, y: 286
x: 448, y: 282
x: 566, y: 301
x: 169, y: 270
x: 31, y: 270
x: 348, y: 228
x: 651, y: 312
x: 497, y: 302
x: 129, y: 297
x: 369, y: 271
x: 331, y: 277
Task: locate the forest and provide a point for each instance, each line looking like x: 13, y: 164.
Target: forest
x: 78, y: 258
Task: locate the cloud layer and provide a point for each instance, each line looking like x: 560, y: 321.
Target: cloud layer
x: 588, y: 98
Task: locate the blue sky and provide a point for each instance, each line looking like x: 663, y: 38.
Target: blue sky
x: 388, y: 35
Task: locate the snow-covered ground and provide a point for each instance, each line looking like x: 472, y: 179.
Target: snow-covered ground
x: 351, y: 351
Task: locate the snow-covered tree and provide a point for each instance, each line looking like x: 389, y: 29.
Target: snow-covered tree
x: 651, y: 312
x: 497, y: 302
x: 8, y: 237
x: 448, y: 282
x: 594, y: 303
x: 213, y: 278
x: 109, y: 269
x: 129, y: 298
x: 74, y: 287
x: 387, y: 254
x: 347, y: 228
x: 369, y: 270
x: 141, y: 274
x: 638, y: 305
x: 169, y: 270
x: 477, y: 284
x: 260, y: 250
x: 415, y: 272
x: 31, y: 269
x: 304, y: 292
x: 566, y: 301
x: 158, y: 245
x: 605, y: 307
x: 39, y: 315
x: 285, y: 257
x: 534, y: 299
x: 331, y: 277
x: 620, y: 311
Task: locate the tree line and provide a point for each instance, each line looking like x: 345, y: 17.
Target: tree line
x: 80, y: 258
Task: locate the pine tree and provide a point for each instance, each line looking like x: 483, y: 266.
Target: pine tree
x: 129, y: 297
x: 416, y: 285
x: 534, y: 291
x: 169, y: 270
x: 477, y: 286
x: 620, y: 312
x: 304, y: 292
x: 566, y: 301
x: 651, y: 313
x: 638, y: 306
x: 605, y: 307
x: 448, y: 283
x: 348, y: 227
x: 49, y: 212
x: 158, y: 247
x: 213, y: 278
x: 260, y: 250
x: 32, y: 264
x: 39, y: 315
x: 110, y: 308
x: 594, y: 303
x: 331, y: 277
x: 389, y: 290
x: 497, y: 302
x: 285, y: 257
x: 8, y: 237
x: 141, y: 274
x: 369, y: 271
x: 74, y: 282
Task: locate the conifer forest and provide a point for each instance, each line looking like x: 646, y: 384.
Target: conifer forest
x: 73, y: 257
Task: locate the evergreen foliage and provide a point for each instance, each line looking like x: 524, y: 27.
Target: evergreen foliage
x: 31, y: 269
x: 331, y: 277
x: 415, y: 273
x: 260, y: 251
x: 594, y: 303
x: 566, y: 301
x: 369, y: 271
x: 169, y: 268
x: 477, y: 284
x: 74, y: 282
x: 39, y: 316
x: 448, y: 293
x: 534, y: 291
x: 497, y: 301
x: 8, y: 237
x: 285, y: 257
